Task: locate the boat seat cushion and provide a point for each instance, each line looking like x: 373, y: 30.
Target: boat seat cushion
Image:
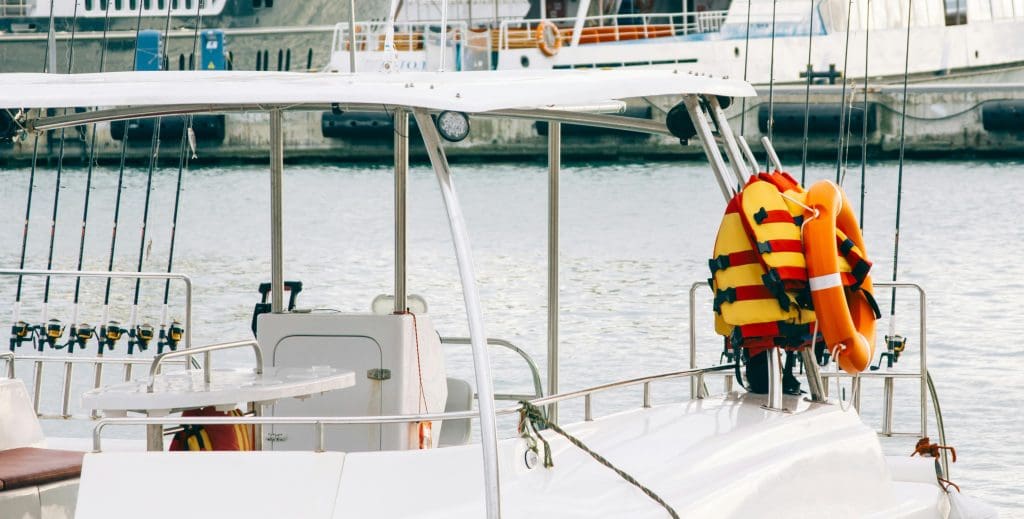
x: 30, y: 466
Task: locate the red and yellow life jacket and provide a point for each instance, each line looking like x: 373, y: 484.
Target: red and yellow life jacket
x: 759, y: 275
x: 234, y: 437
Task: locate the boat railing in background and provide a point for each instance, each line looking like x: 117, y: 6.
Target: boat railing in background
x: 14, y: 8
x: 411, y: 36
x: 319, y: 422
x: 522, y: 34
x: 68, y: 362
x: 887, y: 376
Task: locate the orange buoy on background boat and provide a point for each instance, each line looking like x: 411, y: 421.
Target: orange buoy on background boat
x: 549, y: 38
x: 846, y: 315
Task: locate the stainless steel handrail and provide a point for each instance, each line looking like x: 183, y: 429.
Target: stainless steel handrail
x: 9, y: 357
x: 538, y: 388
x: 320, y: 421
x: 154, y: 368
x: 68, y: 361
x: 119, y: 275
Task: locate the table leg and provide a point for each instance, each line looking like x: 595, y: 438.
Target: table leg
x: 154, y: 438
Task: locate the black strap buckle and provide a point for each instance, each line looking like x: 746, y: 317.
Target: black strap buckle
x: 761, y: 215
x: 724, y: 296
x: 774, y: 284
x: 719, y: 263
x: 764, y: 247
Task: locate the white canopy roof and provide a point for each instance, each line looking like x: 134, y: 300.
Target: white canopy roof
x: 461, y: 91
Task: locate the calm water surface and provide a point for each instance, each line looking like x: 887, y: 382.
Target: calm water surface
x: 634, y: 238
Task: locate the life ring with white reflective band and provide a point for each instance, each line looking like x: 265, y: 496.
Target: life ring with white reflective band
x: 846, y: 315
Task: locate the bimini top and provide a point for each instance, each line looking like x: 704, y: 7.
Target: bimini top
x: 471, y: 92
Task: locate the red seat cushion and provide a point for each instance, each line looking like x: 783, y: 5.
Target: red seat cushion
x: 29, y: 466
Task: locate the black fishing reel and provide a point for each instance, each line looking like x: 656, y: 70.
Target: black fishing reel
x: 21, y: 332
x: 140, y: 336
x: 79, y: 336
x: 49, y: 333
x: 894, y: 347
x: 109, y: 335
x: 170, y: 337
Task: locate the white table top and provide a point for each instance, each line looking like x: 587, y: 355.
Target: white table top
x: 180, y: 390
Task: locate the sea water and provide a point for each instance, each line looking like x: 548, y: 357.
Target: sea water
x: 633, y: 239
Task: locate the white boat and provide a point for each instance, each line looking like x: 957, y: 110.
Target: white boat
x: 381, y: 429
x: 761, y: 41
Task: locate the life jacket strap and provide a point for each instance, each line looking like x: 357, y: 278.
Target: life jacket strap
x: 776, y: 288
x: 764, y: 216
x: 735, y: 259
x: 764, y: 247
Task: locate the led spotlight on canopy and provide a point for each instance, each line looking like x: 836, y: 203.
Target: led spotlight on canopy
x: 453, y: 126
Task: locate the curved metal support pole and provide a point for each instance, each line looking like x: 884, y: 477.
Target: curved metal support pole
x: 772, y: 156
x: 481, y: 359
x: 707, y: 142
x: 938, y: 422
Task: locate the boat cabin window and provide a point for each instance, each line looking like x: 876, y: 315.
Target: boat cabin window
x: 133, y: 4
x: 118, y: 5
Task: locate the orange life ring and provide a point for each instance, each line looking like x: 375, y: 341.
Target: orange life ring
x: 549, y: 39
x: 845, y: 317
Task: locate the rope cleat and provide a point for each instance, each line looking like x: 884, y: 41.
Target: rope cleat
x: 21, y: 332
x: 170, y: 337
x: 49, y: 333
x: 109, y: 334
x: 140, y: 336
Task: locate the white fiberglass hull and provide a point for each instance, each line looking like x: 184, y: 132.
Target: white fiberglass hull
x: 717, y: 457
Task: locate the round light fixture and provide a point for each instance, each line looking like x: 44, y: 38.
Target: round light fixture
x: 453, y: 126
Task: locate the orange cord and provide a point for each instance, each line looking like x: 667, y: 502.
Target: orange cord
x: 926, y: 448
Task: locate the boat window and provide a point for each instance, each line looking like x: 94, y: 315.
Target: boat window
x: 288, y: 59
x: 160, y: 4
x: 309, y: 59
x: 188, y: 4
x: 266, y: 59
x: 181, y: 62
x: 280, y: 59
x: 147, y: 4
x: 88, y: 5
x: 118, y: 5
x: 956, y: 12
x: 103, y: 4
x: 259, y: 60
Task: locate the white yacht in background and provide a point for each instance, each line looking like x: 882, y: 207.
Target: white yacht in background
x: 982, y: 39
x: 380, y: 429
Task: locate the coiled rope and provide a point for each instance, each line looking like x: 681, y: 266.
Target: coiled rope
x: 532, y: 418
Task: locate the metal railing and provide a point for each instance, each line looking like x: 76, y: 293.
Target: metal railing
x: 519, y: 34
x: 409, y: 36
x: 9, y: 357
x: 538, y: 388
x: 14, y: 8
x: 927, y: 388
x: 68, y: 381
x: 318, y: 422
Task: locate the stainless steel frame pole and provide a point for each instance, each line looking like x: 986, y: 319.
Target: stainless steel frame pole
x: 276, y: 219
x: 554, y: 168
x: 774, y: 380
x: 471, y: 296
x: 352, y: 36
x: 707, y: 142
x: 401, y: 182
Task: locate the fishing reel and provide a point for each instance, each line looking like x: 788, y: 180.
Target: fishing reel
x: 80, y: 336
x: 49, y: 333
x: 894, y: 347
x: 140, y: 336
x: 170, y: 337
x: 21, y: 332
x: 109, y: 334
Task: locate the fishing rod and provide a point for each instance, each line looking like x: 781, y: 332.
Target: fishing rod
x: 82, y: 332
x: 112, y: 331
x: 771, y: 88
x: 22, y: 331
x: 807, y: 96
x: 139, y: 335
x: 842, y: 106
x: 746, y: 62
x: 864, y: 130
x: 172, y: 333
x: 895, y: 344
x: 51, y: 330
